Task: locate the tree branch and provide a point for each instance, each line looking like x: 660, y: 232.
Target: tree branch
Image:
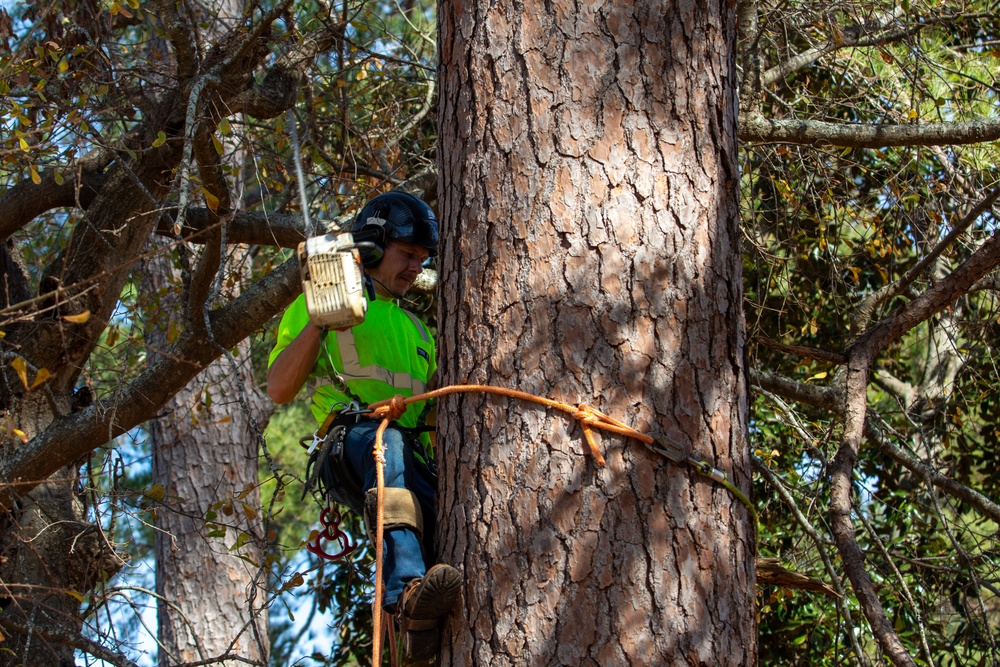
x: 841, y: 506
x: 832, y: 399
x: 758, y: 129
x: 67, y: 638
x: 68, y: 438
x: 939, y: 296
x: 26, y: 201
x: 276, y: 93
x: 859, y: 321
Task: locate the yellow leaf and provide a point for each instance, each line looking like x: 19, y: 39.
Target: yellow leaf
x: 211, y: 200
x: 21, y: 434
x: 225, y: 127
x: 115, y: 7
x: 218, y: 145
x: 22, y: 371
x: 35, y: 178
x: 63, y: 65
x: 75, y: 594
x: 225, y: 419
x: 818, y: 376
x: 155, y: 493
x: 913, y: 114
x: 296, y: 580
x: 58, y: 178
x: 249, y: 512
x: 362, y: 74
x: 24, y: 145
x: 43, y: 375
x: 161, y: 138
x: 79, y: 318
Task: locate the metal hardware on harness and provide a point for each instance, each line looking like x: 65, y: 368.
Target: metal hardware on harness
x: 330, y: 518
x: 317, y: 440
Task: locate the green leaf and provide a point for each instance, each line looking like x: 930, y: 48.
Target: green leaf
x: 161, y: 138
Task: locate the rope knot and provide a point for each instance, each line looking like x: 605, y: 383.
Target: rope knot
x: 588, y: 417
x: 586, y: 414
x: 392, y: 410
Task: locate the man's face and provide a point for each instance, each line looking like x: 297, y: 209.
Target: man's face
x: 400, y: 266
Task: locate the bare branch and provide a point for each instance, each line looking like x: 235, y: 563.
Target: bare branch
x: 831, y: 398
x: 67, y: 638
x: 276, y: 93
x: 25, y: 201
x: 841, y: 507
x: 939, y: 296
x: 921, y: 623
x: 828, y: 398
x: 974, y: 498
x: 749, y: 40
x: 779, y: 486
x: 867, y: 36
x: 801, y: 351
x: 758, y: 129
x: 181, y: 39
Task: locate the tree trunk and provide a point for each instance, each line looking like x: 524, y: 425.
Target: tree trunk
x: 205, y: 458
x: 589, y: 208
x: 211, y: 587
x: 51, y: 558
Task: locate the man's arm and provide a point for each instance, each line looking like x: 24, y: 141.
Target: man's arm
x: 291, y: 368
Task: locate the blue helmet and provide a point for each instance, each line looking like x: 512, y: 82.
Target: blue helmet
x: 393, y: 216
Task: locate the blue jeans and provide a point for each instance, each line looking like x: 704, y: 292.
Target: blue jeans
x: 403, y: 557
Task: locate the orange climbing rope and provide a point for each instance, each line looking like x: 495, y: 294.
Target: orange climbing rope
x: 589, y: 418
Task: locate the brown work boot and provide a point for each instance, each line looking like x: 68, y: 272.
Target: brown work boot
x: 422, y: 606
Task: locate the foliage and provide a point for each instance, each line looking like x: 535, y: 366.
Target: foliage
x: 118, y: 121
x: 830, y: 231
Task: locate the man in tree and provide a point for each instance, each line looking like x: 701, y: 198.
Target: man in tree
x: 390, y: 353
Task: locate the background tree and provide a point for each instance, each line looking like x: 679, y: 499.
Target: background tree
x: 210, y: 596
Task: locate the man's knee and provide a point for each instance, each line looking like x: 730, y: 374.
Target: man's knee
x: 401, y: 509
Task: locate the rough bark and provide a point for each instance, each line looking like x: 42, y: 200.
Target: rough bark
x: 205, y: 453
x: 201, y: 459
x: 588, y: 207
x: 204, y: 441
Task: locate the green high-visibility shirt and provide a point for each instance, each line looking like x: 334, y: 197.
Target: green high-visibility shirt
x: 392, y: 352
